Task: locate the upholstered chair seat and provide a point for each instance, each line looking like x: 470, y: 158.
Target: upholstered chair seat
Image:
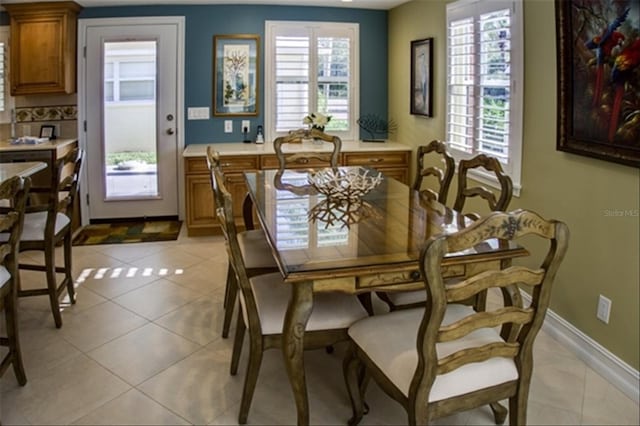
x: 389, y: 341
x: 34, y: 225
x: 330, y: 310
x: 255, y: 249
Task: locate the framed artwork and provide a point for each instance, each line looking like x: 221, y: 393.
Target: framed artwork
x: 598, y: 54
x: 422, y: 77
x: 48, y: 131
x: 235, y: 83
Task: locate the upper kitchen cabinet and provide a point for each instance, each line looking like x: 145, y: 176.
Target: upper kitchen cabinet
x: 43, y: 47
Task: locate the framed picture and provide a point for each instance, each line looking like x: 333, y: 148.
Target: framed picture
x: 422, y: 77
x: 235, y: 84
x: 48, y: 131
x: 598, y: 55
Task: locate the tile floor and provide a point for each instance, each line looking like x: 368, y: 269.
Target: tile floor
x: 143, y: 346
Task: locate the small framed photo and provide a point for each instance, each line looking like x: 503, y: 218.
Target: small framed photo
x: 422, y: 77
x: 48, y: 131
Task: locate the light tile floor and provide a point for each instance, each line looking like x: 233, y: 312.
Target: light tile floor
x: 143, y: 346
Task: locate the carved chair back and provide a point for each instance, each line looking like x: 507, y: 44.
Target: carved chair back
x: 490, y: 164
x: 299, y: 158
x: 444, y: 175
x: 224, y: 212
x: 453, y: 357
x: 519, y: 325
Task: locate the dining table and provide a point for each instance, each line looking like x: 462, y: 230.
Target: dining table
x: 370, y: 243
x: 22, y: 169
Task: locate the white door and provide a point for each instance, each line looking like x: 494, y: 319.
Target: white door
x: 131, y: 99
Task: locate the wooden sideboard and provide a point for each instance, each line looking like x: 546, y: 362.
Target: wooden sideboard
x: 390, y: 158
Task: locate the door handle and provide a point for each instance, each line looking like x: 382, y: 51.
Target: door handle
x: 170, y: 131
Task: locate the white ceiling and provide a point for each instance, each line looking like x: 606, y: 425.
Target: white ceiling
x: 358, y: 4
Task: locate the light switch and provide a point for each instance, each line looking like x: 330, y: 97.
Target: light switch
x: 200, y: 113
x: 228, y: 126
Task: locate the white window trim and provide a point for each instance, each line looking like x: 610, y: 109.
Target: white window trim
x: 517, y: 88
x: 5, y: 116
x: 269, y: 77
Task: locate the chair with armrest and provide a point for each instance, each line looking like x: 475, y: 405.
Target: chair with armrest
x: 300, y: 158
x: 446, y: 357
x: 253, y: 246
x: 264, y: 299
x: 489, y: 164
x: 47, y: 225
x: 444, y: 176
x: 13, y: 191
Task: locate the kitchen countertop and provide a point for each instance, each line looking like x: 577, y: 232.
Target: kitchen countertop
x: 5, y: 146
x: 239, y: 148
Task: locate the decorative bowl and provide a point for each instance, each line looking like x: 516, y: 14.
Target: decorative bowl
x: 345, y: 184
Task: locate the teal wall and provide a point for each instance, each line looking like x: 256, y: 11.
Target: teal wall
x: 203, y: 22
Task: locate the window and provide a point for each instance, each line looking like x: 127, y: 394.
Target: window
x: 311, y: 67
x: 6, y: 101
x: 484, y: 83
x: 130, y: 72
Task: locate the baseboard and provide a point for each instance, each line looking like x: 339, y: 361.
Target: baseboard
x: 616, y: 371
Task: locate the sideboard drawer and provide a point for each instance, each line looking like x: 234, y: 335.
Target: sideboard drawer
x: 271, y: 162
x: 239, y: 163
x: 376, y: 159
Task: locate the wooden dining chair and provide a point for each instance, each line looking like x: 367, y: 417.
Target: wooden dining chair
x: 300, y: 156
x: 48, y: 225
x: 443, y: 175
x: 264, y: 300
x: 499, y: 202
x: 446, y: 357
x: 253, y: 246
x: 13, y: 193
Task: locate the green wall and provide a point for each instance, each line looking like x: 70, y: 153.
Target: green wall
x: 604, y: 251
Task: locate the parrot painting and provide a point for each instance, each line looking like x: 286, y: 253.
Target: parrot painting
x: 604, y: 44
x: 623, y: 68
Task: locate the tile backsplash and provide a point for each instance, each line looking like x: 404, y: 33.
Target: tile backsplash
x: 46, y: 113
x: 30, y: 119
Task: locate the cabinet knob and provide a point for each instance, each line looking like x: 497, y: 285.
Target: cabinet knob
x: 376, y: 160
x: 415, y: 275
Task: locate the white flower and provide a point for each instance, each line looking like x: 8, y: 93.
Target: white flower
x: 316, y: 120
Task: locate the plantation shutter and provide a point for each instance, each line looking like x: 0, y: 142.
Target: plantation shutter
x: 479, y: 110
x: 333, y: 53
x: 3, y: 74
x: 461, y: 85
x: 292, y: 80
x: 311, y: 67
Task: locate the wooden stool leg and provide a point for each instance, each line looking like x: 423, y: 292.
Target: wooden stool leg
x: 52, y: 285
x: 11, y: 317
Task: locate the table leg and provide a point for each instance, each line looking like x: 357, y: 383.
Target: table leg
x: 295, y: 322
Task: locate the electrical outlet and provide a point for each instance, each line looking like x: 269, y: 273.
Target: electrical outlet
x: 604, y: 309
x: 228, y: 126
x: 246, y: 124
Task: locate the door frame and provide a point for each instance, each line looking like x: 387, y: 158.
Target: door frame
x: 83, y: 26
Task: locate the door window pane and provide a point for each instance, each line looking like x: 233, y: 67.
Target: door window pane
x: 130, y: 111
